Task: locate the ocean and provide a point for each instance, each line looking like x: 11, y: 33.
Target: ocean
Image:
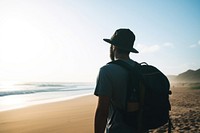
x: 18, y: 95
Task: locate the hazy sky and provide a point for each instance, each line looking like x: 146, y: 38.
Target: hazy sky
x: 61, y: 40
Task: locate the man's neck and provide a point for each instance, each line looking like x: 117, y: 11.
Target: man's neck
x: 122, y: 57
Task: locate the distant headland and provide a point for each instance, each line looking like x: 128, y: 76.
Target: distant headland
x: 192, y: 76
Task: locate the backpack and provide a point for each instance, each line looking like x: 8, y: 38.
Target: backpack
x: 147, y: 98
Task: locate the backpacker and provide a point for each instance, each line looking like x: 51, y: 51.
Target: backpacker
x: 147, y: 104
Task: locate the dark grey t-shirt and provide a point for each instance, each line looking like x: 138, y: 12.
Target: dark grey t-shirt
x: 112, y: 82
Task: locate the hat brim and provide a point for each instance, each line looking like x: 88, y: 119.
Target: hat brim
x: 130, y: 50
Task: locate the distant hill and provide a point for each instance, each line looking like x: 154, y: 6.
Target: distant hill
x: 188, y: 76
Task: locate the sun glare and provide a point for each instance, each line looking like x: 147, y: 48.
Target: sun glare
x: 12, y: 102
x: 6, y: 84
x: 20, y: 42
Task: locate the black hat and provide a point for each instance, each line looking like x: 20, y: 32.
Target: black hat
x: 124, y: 39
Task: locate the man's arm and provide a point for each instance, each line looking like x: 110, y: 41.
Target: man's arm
x: 101, y: 114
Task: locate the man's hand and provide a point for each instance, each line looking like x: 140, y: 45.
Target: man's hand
x: 101, y: 114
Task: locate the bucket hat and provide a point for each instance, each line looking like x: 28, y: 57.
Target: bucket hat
x: 123, y: 39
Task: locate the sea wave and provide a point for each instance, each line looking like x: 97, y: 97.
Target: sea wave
x: 31, y: 88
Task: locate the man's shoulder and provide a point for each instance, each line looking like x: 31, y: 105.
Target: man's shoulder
x: 112, y: 64
x: 114, y: 67
x: 131, y: 62
x: 108, y: 66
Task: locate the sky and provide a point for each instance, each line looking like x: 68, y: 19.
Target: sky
x: 62, y: 40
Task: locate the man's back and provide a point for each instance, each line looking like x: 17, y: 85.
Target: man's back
x: 112, y: 82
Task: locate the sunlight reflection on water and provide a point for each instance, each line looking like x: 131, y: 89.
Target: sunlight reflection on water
x: 10, y: 102
x: 16, y: 95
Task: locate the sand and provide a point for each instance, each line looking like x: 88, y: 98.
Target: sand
x: 77, y: 115
x: 72, y: 116
x: 185, y: 113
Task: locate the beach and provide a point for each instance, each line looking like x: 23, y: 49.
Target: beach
x: 185, y: 109
x: 71, y: 116
x: 77, y: 115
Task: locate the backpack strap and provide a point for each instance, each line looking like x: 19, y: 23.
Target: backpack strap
x: 136, y: 71
x: 140, y: 127
x: 131, y: 70
x: 128, y: 67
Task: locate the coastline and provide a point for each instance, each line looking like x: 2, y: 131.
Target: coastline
x: 75, y: 115
x: 25, y: 105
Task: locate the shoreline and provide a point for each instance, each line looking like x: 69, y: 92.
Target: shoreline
x: 44, y: 102
x: 75, y: 115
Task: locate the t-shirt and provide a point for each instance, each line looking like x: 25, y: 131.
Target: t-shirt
x: 112, y: 82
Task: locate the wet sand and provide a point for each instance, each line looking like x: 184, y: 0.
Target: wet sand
x: 77, y: 115
x: 72, y: 116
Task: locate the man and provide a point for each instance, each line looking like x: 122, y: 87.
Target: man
x: 112, y: 83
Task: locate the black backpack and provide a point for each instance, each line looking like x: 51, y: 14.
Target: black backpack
x: 147, y: 100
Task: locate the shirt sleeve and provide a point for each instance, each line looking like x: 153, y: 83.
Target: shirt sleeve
x: 104, y: 84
